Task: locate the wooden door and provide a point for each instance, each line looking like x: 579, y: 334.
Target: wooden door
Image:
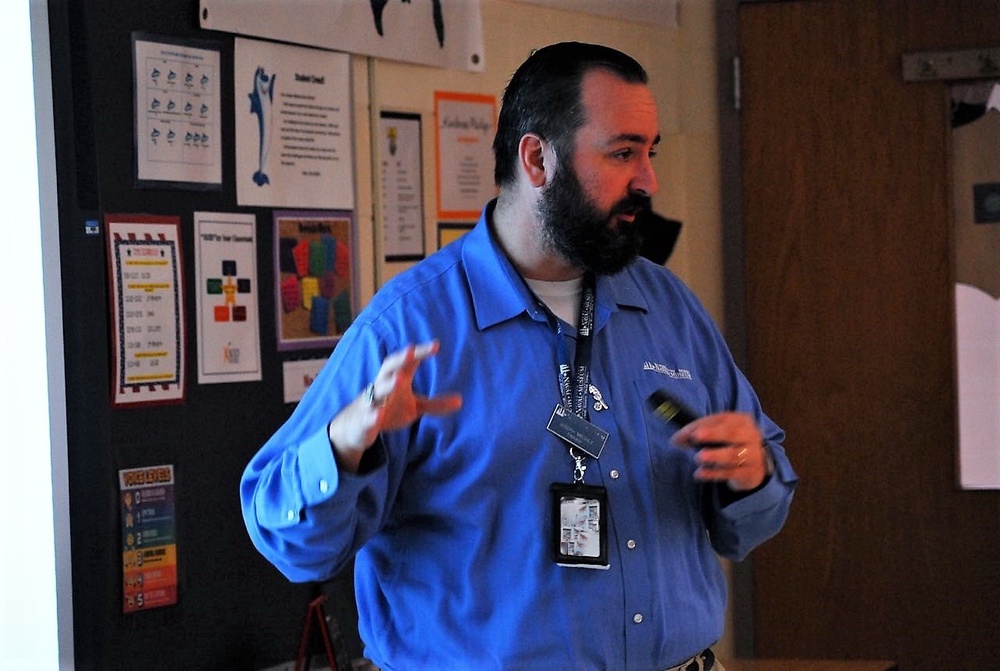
x: 846, y: 213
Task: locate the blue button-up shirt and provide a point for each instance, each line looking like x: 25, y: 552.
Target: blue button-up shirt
x: 451, y: 524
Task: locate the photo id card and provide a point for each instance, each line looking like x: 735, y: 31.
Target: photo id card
x: 580, y: 526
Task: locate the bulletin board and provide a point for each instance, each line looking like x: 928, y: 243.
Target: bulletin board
x: 234, y: 609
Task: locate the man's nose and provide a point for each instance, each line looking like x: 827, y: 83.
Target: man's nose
x: 645, y: 181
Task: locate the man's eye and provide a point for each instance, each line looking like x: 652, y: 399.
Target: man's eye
x: 624, y: 154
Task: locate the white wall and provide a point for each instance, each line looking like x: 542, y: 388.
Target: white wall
x: 35, y: 521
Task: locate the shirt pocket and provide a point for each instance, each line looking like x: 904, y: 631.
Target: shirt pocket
x: 668, y: 462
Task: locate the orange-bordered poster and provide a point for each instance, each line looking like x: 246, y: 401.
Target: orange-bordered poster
x: 464, y: 125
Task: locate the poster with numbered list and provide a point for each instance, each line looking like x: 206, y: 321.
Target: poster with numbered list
x: 149, y: 543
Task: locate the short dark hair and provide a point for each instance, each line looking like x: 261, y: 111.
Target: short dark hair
x: 543, y: 97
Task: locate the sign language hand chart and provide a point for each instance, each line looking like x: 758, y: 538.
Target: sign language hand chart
x: 177, y: 113
x: 144, y: 255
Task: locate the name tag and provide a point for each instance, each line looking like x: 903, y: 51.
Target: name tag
x: 577, y: 431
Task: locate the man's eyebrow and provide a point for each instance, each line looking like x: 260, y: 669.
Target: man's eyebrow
x: 636, y: 138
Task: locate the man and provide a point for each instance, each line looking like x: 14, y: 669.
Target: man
x: 481, y: 438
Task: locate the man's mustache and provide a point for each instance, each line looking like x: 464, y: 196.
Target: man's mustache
x: 633, y: 204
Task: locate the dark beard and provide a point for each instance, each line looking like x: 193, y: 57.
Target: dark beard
x: 582, y: 234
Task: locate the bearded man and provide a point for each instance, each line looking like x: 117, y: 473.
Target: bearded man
x: 482, y: 442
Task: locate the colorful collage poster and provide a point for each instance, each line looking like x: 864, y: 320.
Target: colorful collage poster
x: 314, y: 272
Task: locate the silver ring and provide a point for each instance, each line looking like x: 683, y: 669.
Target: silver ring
x: 370, y: 394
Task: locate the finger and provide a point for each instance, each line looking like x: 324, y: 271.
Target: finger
x: 445, y: 404
x: 741, y: 455
x: 710, y: 431
x: 745, y: 473
x: 399, y: 367
x: 425, y: 350
x: 396, y: 361
x: 730, y: 458
x: 723, y: 455
x: 727, y: 429
x: 417, y: 354
x: 410, y: 355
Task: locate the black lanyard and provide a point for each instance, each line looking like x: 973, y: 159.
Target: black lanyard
x: 574, y: 381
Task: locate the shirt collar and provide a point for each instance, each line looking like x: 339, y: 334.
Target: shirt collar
x: 499, y: 293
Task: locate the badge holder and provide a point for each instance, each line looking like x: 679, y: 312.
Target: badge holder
x: 580, y: 526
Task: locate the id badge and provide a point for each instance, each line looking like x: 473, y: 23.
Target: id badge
x: 577, y: 431
x: 580, y: 526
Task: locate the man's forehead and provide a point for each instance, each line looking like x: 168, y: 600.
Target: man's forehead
x: 624, y: 110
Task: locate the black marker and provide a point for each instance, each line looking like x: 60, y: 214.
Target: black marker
x: 669, y: 409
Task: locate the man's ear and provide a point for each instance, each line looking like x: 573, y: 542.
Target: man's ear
x: 534, y: 155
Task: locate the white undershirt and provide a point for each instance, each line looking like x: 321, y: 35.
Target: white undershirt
x: 563, y: 298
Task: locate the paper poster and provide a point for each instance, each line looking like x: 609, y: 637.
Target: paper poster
x: 149, y: 543
x: 293, y: 127
x: 440, y: 33
x: 464, y: 127
x: 654, y: 12
x: 402, y: 202
x: 297, y: 376
x: 146, y: 277
x: 228, y: 318
x: 177, y: 112
x: 314, y: 277
x: 449, y: 232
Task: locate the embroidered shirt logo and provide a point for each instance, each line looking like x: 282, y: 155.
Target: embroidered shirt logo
x: 675, y: 373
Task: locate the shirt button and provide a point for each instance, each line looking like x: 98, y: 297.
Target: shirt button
x: 630, y: 544
x: 637, y: 618
x: 290, y: 515
x: 324, y: 486
x: 614, y: 474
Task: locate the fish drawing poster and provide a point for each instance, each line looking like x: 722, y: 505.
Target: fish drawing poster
x: 177, y: 113
x: 225, y: 253
x: 293, y: 127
